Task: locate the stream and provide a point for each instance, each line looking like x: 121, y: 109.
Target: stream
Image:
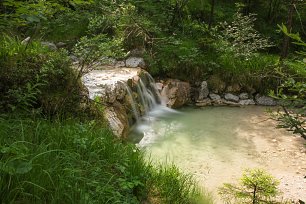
x: 215, y: 145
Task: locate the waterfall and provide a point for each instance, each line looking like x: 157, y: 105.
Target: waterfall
x: 133, y: 103
x: 147, y: 96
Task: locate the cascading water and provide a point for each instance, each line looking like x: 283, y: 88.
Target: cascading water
x: 145, y: 97
x: 153, y: 108
x: 133, y: 103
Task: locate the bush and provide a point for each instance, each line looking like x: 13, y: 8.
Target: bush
x: 31, y: 75
x: 256, y: 186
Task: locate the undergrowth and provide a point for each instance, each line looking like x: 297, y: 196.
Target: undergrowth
x: 73, y: 162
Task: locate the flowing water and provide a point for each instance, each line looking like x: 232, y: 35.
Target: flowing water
x: 215, y: 144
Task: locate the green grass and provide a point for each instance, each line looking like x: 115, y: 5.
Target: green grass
x: 73, y: 162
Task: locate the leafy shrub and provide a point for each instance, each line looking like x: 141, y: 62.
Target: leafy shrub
x: 177, y: 57
x: 31, y: 74
x: 97, y: 49
x: 67, y: 26
x: 241, y: 38
x: 256, y: 186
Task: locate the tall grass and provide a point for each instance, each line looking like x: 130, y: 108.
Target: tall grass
x: 73, y: 162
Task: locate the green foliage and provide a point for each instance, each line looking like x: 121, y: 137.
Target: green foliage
x: 67, y: 26
x: 256, y: 186
x: 292, y: 92
x: 73, y: 162
x: 241, y: 39
x: 170, y: 186
x: 98, y: 48
x: 31, y: 75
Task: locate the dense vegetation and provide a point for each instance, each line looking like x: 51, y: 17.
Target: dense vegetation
x: 74, y: 162
x: 50, y: 149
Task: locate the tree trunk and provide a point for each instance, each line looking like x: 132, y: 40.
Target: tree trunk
x: 247, y: 7
x: 286, y: 40
x: 211, y: 17
x: 254, y: 195
x: 270, y: 10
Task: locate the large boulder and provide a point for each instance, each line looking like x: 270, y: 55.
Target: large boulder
x: 109, y: 85
x: 176, y: 93
x: 265, y: 100
x: 203, y: 91
x: 117, y: 119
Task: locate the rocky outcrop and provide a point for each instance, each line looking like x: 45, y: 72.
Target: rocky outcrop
x: 207, y: 95
x: 123, y: 93
x: 117, y: 119
x: 108, y: 84
x: 176, y: 93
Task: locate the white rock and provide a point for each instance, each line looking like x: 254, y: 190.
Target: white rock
x: 231, y: 97
x: 119, y: 64
x: 203, y: 91
x: 159, y: 86
x: 247, y: 102
x: 134, y: 62
x: 214, y: 96
x: 244, y: 96
x: 26, y: 41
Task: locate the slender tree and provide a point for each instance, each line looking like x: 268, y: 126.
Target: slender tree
x: 211, y: 16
